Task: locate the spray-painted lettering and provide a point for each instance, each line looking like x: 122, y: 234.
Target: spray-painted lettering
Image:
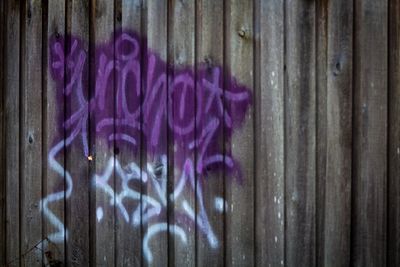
x: 132, y: 95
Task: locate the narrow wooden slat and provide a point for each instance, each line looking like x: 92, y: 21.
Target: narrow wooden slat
x: 181, y: 44
x: 77, y: 206
x: 321, y: 124
x: 54, y: 182
x: 2, y: 141
x: 269, y: 134
x: 31, y: 133
x: 128, y: 233
x: 393, y: 245
x: 209, y: 55
x: 338, y: 130
x: 369, y: 199
x: 103, y: 150
x: 300, y: 133
x: 154, y: 30
x: 12, y: 124
x: 238, y: 59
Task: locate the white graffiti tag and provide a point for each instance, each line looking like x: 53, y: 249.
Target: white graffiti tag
x: 147, y: 206
x: 156, y: 174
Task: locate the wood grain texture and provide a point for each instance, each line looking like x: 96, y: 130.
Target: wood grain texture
x: 31, y: 133
x: 300, y: 134
x: 319, y: 148
x: 269, y: 134
x: 337, y: 209
x: 53, y: 182
x: 77, y: 206
x: 102, y: 22
x: 238, y: 59
x: 209, y: 54
x: 3, y: 192
x: 321, y: 124
x: 155, y: 30
x: 12, y: 135
x: 369, y: 198
x: 128, y: 245
x: 181, y: 55
x: 393, y: 238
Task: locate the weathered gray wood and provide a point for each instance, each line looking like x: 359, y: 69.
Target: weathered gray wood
x: 369, y: 200
x: 128, y: 236
x: 31, y: 133
x: 154, y: 30
x: 102, y: 28
x: 77, y: 207
x: 53, y: 182
x: 393, y: 242
x: 2, y: 141
x: 181, y: 54
x: 320, y: 185
x: 300, y: 133
x: 269, y: 133
x: 239, y: 42
x: 321, y: 124
x: 12, y: 135
x: 209, y: 54
x: 338, y: 130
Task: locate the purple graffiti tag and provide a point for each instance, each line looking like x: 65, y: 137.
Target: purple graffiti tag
x: 201, y: 104
x: 135, y: 95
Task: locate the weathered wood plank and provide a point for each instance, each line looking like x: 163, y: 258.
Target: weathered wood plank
x: 181, y: 55
x: 12, y: 136
x: 239, y: 34
x: 128, y: 234
x: 300, y: 133
x: 154, y: 29
x: 269, y: 134
x: 369, y: 199
x: 321, y: 124
x: 369, y: 213
x: 54, y: 182
x: 102, y: 23
x: 2, y: 140
x: 31, y: 133
x: 209, y: 55
x: 77, y: 207
x: 393, y: 242
x: 338, y: 130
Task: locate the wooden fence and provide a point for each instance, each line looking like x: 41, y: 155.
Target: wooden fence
x: 200, y: 133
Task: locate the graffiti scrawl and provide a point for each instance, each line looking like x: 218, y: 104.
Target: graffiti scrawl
x: 137, y: 97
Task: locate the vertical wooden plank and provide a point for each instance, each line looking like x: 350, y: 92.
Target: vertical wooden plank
x: 2, y: 141
x: 128, y: 231
x: 209, y: 56
x: 393, y: 242
x: 12, y: 124
x: 321, y: 124
x: 31, y: 133
x: 181, y: 43
x: 240, y: 196
x: 300, y: 135
x: 370, y: 137
x: 154, y: 155
x: 269, y: 134
x: 338, y: 138
x: 54, y: 182
x: 103, y: 154
x: 77, y: 206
